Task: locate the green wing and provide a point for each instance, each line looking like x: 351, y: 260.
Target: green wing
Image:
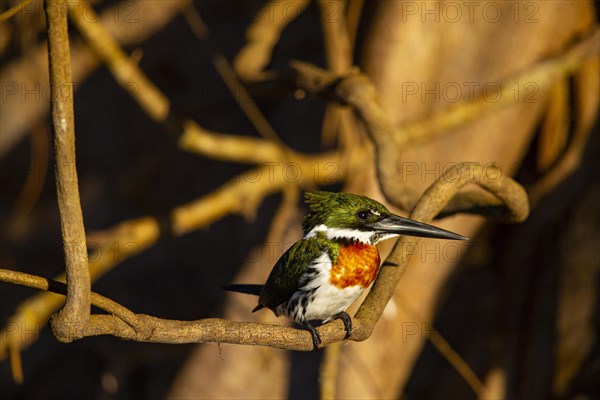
x: 285, y: 276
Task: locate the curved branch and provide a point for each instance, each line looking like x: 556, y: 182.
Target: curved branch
x: 129, y: 238
x: 77, y: 308
x: 435, y: 198
x: 37, y: 282
x: 356, y: 90
x: 124, y: 324
x: 262, y: 36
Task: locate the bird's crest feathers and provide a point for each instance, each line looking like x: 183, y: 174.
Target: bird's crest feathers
x: 338, y: 210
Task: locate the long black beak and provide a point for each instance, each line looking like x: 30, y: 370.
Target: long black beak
x: 409, y: 227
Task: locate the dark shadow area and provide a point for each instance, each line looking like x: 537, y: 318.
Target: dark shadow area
x: 129, y: 167
x: 498, y: 309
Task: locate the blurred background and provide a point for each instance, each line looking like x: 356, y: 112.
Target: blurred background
x: 519, y: 304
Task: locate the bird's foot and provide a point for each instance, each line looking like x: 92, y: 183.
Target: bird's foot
x: 347, y: 322
x: 316, y: 338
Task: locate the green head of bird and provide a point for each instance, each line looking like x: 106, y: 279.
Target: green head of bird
x: 345, y: 216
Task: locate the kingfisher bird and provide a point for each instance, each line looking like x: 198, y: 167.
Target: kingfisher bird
x: 323, y: 273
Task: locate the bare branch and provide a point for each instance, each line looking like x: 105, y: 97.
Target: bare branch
x: 355, y: 89
x: 157, y: 106
x: 39, y: 139
x: 8, y: 14
x: 241, y: 195
x: 77, y: 307
x: 133, y: 237
x: 32, y: 69
x: 262, y: 36
x: 230, y: 77
x: 124, y: 324
x: 431, y: 203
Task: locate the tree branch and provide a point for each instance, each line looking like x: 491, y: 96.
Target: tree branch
x: 192, y: 137
x: 262, y: 36
x: 230, y: 78
x: 124, y: 324
x: 127, y: 239
x: 8, y: 14
x: 31, y: 69
x: 431, y: 203
x: 356, y: 90
x: 77, y: 307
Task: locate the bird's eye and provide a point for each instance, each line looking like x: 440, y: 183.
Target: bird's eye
x: 363, y: 214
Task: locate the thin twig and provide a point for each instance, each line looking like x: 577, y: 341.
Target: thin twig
x: 445, y: 349
x: 25, y: 201
x: 554, y: 130
x: 40, y: 154
x: 16, y: 365
x: 227, y: 73
x: 262, y: 36
x: 338, y: 48
x: 8, y: 14
x: 192, y: 136
x: 280, y: 223
x: 77, y: 307
x: 37, y: 282
x: 31, y: 68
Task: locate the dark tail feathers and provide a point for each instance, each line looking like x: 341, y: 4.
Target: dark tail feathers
x: 248, y: 289
x: 245, y: 288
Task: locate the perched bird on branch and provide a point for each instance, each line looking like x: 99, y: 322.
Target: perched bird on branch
x: 322, y: 274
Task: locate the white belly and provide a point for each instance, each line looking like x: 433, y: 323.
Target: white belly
x: 330, y: 300
x: 327, y: 299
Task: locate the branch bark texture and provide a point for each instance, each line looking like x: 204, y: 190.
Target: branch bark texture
x: 77, y: 307
x: 123, y: 323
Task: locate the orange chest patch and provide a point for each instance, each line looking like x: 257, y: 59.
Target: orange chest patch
x: 356, y: 265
